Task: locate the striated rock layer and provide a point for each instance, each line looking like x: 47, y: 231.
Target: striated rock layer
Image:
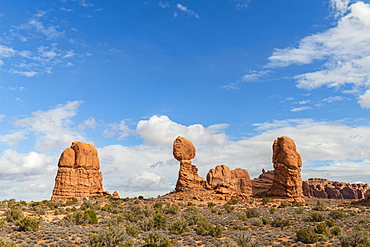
x: 287, y: 183
x: 263, y: 183
x: 78, y: 173
x: 184, y: 151
x: 324, y: 188
x: 226, y: 181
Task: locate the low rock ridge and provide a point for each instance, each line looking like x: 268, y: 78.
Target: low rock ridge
x: 324, y: 188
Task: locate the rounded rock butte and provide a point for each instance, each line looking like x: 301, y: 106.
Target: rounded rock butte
x: 78, y: 174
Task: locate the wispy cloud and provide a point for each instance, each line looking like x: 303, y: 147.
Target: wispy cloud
x: 343, y: 51
x: 333, y: 99
x: 163, y: 4
x: 184, y: 9
x: 35, y: 25
x: 241, y: 4
x: 302, y: 108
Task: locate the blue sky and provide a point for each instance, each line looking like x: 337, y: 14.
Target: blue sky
x: 230, y: 75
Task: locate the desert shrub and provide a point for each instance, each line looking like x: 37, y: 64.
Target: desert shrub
x: 363, y: 221
x: 211, y: 204
x: 244, y: 239
x: 307, y: 235
x: 329, y: 222
x: 252, y: 213
x: 171, y: 209
x: 284, y: 204
x: 132, y: 231
x: 337, y: 214
x: 242, y: 217
x: 71, y: 201
x: 80, y: 218
x: 2, y: 224
x: 178, y: 227
x: 316, y: 217
x: 322, y: 228
x: 156, y: 239
x: 110, y: 237
x: 265, y: 221
x: 28, y: 224
x: 158, y: 206
x: 297, y: 204
x: 192, y: 216
x: 4, y: 243
x: 319, y: 207
x: 205, y: 228
x: 336, y: 230
x: 159, y: 221
x: 13, y: 215
x: 146, y: 224
x: 91, y: 215
x: 228, y: 208
x: 265, y: 201
x: 355, y: 238
x: 256, y: 222
x: 281, y: 222
x: 298, y: 210
x: 272, y: 210
x: 233, y: 202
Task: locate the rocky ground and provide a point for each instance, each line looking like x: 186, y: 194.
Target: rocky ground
x: 184, y: 219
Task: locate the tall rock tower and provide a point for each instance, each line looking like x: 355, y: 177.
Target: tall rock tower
x: 287, y: 183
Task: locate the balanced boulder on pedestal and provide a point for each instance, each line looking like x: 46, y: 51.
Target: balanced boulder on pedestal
x: 78, y: 174
x: 184, y: 151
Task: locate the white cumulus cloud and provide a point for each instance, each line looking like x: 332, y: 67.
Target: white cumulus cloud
x: 160, y: 130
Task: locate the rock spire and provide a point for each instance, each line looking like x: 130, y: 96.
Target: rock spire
x: 287, y: 183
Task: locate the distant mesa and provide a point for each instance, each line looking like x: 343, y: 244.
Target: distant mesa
x: 78, y: 174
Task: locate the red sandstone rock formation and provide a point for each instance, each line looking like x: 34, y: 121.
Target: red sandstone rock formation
x: 324, y: 188
x: 184, y: 151
x: 78, y: 173
x: 115, y: 195
x: 226, y: 181
x: 287, y: 183
x: 263, y: 183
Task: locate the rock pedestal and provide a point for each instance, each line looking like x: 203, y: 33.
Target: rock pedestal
x: 184, y: 151
x: 78, y: 174
x: 287, y: 183
x: 226, y: 181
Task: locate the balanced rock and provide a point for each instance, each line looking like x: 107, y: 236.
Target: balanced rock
x: 226, y: 181
x: 184, y: 151
x: 287, y: 183
x: 78, y: 173
x: 324, y: 188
